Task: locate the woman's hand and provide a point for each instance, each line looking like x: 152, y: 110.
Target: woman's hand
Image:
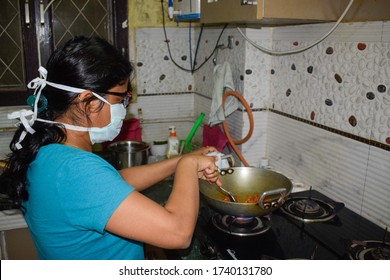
x: 207, y: 172
x: 207, y: 169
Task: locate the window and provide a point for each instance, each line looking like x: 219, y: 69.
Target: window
x: 31, y: 29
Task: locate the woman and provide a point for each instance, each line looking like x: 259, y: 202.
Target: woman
x: 76, y: 205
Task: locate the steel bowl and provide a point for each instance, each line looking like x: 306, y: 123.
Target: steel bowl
x: 129, y: 153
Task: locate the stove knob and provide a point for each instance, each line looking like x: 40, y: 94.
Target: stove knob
x: 207, y: 249
x: 275, y: 204
x: 267, y: 205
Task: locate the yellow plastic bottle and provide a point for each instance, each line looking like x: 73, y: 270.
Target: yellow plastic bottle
x: 173, y: 143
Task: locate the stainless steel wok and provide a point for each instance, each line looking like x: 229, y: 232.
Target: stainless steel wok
x: 270, y: 187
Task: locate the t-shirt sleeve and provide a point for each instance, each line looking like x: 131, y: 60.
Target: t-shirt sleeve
x: 93, y: 191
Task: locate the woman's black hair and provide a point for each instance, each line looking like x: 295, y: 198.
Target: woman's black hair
x: 86, y: 63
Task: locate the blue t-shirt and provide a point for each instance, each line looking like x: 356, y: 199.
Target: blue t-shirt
x: 72, y: 195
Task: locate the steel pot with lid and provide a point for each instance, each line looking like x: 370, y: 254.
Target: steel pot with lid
x: 129, y: 153
x: 257, y: 191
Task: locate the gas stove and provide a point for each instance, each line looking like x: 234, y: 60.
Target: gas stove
x: 308, y: 226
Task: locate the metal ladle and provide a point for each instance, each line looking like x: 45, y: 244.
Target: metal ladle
x: 228, y: 193
x: 225, y: 191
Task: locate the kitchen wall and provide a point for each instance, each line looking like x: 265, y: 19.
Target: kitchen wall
x: 321, y: 116
x: 329, y: 122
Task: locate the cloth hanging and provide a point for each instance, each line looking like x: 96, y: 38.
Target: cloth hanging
x: 223, y: 81
x: 213, y: 136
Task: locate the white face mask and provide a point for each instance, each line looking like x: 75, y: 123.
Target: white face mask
x: 108, y: 132
x: 112, y: 130
x: 96, y: 134
x: 101, y: 134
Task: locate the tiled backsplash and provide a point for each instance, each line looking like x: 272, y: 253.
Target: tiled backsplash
x: 345, y: 169
x: 321, y: 116
x: 343, y: 83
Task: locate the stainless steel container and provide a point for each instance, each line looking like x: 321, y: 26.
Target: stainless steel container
x: 129, y: 153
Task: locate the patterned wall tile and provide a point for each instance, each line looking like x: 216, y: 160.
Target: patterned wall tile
x: 346, y: 87
x: 235, y: 56
x: 156, y: 73
x: 257, y: 69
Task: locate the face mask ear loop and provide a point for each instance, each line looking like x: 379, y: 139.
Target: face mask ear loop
x: 38, y: 84
x: 101, y: 98
x: 76, y: 90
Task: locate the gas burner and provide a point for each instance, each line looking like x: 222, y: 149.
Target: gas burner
x: 369, y: 250
x: 241, y: 226
x: 308, y: 209
x: 307, y: 206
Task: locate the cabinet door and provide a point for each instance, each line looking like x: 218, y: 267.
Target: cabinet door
x: 31, y: 29
x: 19, y: 245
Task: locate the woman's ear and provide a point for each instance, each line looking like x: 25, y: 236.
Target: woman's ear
x: 88, y: 105
x: 84, y: 95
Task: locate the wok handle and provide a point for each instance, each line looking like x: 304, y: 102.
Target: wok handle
x: 269, y: 204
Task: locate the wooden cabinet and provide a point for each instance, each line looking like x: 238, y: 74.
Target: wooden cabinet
x: 287, y: 12
x: 17, y: 244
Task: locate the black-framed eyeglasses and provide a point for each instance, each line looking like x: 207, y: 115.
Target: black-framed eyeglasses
x: 127, y: 96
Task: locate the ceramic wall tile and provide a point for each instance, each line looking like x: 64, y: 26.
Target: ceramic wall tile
x: 159, y: 111
x: 257, y: 69
x: 376, y: 203
x: 155, y: 70
x: 341, y: 83
x: 386, y: 32
x: 255, y: 148
x: 164, y: 106
x: 231, y: 50
x: 312, y: 156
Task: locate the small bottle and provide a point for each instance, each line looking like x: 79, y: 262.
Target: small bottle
x: 173, y: 143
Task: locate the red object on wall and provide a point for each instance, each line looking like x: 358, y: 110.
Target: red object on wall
x: 213, y: 136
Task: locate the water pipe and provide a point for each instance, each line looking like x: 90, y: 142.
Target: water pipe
x: 232, y: 142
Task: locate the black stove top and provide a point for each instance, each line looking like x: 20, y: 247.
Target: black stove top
x: 287, y: 238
